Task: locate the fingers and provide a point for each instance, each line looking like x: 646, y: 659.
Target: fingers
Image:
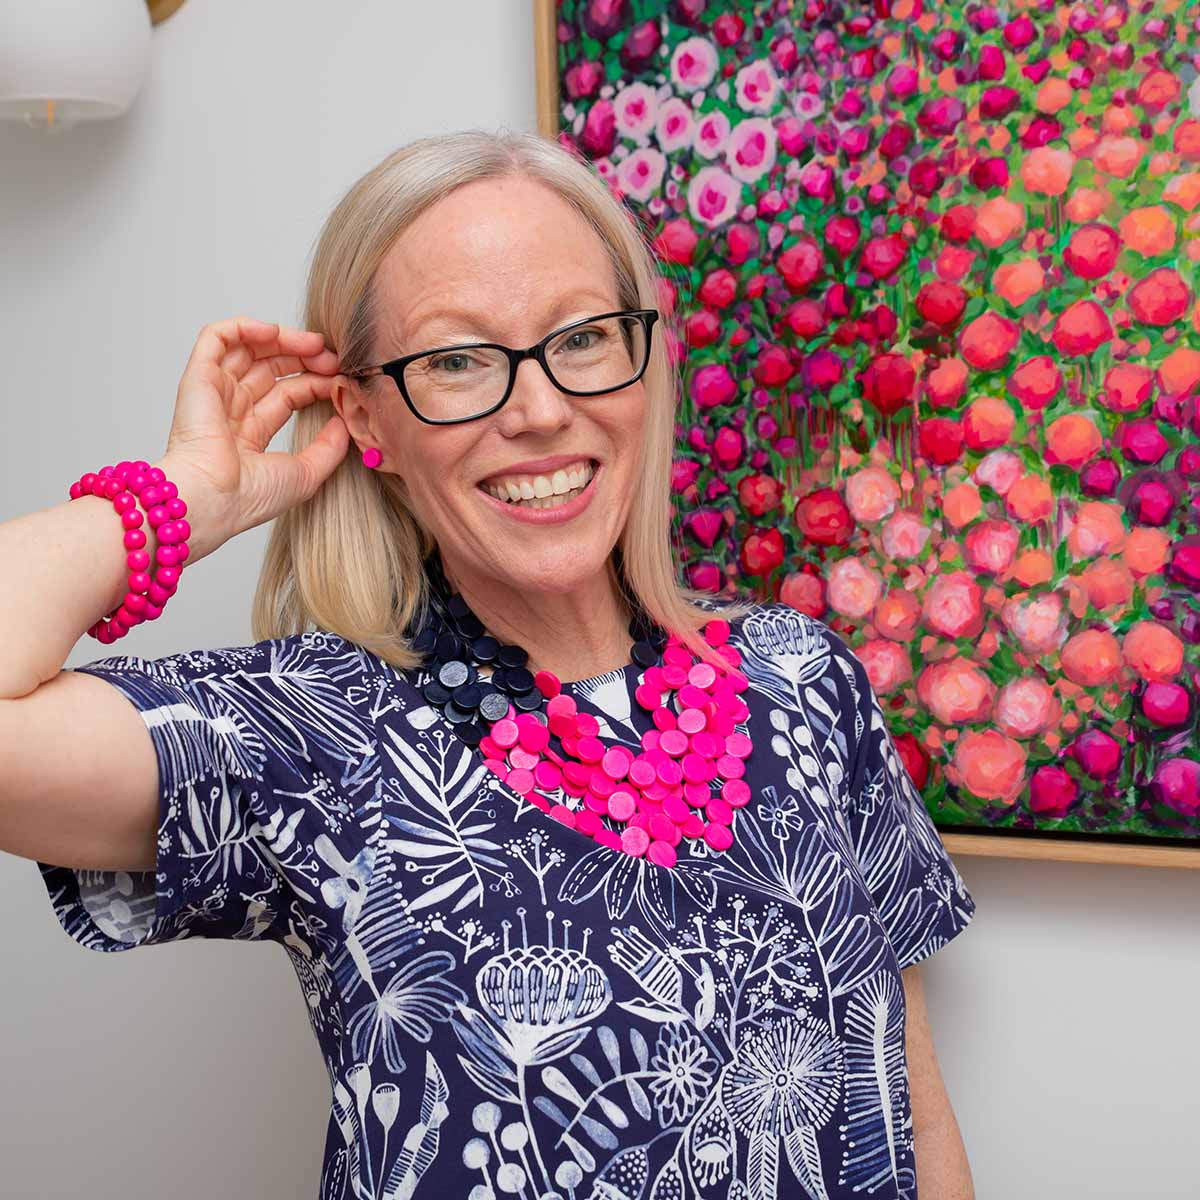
x: 260, y: 377
x: 285, y: 397
x: 249, y: 338
x: 318, y: 460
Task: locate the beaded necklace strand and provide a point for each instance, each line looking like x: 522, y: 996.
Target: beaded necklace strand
x: 687, y: 782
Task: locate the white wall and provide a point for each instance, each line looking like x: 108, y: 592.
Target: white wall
x: 1064, y: 1016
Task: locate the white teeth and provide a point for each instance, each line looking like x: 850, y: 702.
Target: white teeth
x: 534, y: 489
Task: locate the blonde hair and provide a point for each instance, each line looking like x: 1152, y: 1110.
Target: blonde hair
x: 350, y: 559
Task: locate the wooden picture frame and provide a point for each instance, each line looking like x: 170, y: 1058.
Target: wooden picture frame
x: 1078, y: 848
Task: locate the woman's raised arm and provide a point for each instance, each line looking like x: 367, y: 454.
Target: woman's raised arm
x: 78, y: 776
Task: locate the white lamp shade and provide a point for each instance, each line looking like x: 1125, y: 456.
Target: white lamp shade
x: 63, y: 61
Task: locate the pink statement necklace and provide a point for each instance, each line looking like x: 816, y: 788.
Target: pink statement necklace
x: 687, y: 782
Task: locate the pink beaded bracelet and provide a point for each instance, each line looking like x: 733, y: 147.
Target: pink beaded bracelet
x: 126, y: 485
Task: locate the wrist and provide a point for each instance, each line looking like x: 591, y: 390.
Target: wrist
x: 205, y: 509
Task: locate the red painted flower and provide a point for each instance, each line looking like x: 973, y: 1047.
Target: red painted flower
x: 941, y: 440
x: 759, y: 493
x: 823, y: 518
x: 801, y: 265
x: 1082, y: 328
x: 1092, y: 251
x: 882, y: 256
x: 762, y: 551
x: 888, y: 382
x: 987, y: 341
x: 1036, y: 382
x: 941, y: 303
x: 1159, y: 299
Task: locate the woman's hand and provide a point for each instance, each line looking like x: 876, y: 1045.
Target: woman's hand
x: 231, y: 403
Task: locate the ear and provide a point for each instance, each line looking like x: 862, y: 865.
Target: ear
x: 352, y: 406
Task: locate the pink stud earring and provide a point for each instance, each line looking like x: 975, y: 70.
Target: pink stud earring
x: 372, y: 457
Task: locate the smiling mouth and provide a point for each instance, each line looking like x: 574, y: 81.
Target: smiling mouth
x: 542, y: 491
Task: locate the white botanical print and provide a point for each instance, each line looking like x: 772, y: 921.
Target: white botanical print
x: 507, y: 1008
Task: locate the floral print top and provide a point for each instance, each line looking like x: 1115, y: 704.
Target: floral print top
x: 506, y: 1008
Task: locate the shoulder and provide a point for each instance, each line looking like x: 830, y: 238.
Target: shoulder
x: 771, y: 629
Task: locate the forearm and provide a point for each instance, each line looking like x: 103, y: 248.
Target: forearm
x: 943, y: 1172
x: 65, y: 568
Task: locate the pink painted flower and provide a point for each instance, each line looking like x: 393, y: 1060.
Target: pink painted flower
x: 636, y: 109
x: 1166, y: 704
x: 804, y: 592
x: 991, y: 546
x: 711, y: 134
x: 956, y: 691
x: 640, y: 173
x: 1027, y: 706
x: 694, y: 64
x: 1176, y: 784
x: 989, y: 765
x: 853, y: 588
x: 756, y: 87
x: 953, y: 605
x: 1052, y: 791
x: 888, y: 665
x: 750, y: 150
x: 1038, y: 623
x: 712, y: 385
x: 713, y: 197
x: 905, y: 535
x: 674, y: 125
x: 1097, y: 753
x: 871, y: 494
x: 999, y: 470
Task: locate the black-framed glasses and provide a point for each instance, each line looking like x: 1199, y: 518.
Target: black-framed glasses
x: 590, y: 357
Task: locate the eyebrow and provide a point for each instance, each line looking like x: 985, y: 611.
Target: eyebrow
x: 462, y: 322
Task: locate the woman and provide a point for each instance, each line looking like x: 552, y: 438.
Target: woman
x: 595, y: 887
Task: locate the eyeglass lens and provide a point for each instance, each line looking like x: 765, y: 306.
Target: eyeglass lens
x: 601, y: 356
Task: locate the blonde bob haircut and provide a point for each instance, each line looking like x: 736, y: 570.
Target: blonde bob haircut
x: 350, y: 560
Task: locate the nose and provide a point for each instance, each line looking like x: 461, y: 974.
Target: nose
x: 535, y: 403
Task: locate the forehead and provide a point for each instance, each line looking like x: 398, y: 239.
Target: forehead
x: 497, y: 259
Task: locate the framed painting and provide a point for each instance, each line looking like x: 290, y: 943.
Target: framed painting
x: 930, y: 271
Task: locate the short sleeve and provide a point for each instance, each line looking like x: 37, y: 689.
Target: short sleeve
x: 221, y: 732
x: 919, y: 894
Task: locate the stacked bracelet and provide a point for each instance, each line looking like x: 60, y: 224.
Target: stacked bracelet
x: 126, y: 485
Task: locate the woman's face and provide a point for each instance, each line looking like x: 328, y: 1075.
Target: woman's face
x: 505, y: 261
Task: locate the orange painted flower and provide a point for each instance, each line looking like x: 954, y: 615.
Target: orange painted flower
x: 956, y: 691
x: 1055, y: 94
x: 888, y: 666
x: 1098, y: 527
x: 1046, y: 171
x: 1038, y: 623
x: 962, y: 504
x: 1033, y: 567
x: 1179, y: 372
x: 1118, y: 156
x: 1146, y: 551
x: 852, y: 588
x: 1086, y: 204
x: 1016, y: 282
x: 897, y: 615
x: 1027, y: 706
x: 1184, y: 191
x: 988, y: 423
x: 1108, y: 582
x: 1030, y: 499
x: 1153, y: 651
x: 1149, y: 231
x: 871, y: 494
x: 988, y: 765
x: 945, y: 384
x: 1092, y: 658
x: 999, y: 220
x: 1127, y: 386
x: 1072, y: 440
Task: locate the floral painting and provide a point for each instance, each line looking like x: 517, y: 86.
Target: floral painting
x: 931, y: 278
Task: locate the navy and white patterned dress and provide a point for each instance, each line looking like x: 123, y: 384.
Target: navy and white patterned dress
x: 506, y: 1008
